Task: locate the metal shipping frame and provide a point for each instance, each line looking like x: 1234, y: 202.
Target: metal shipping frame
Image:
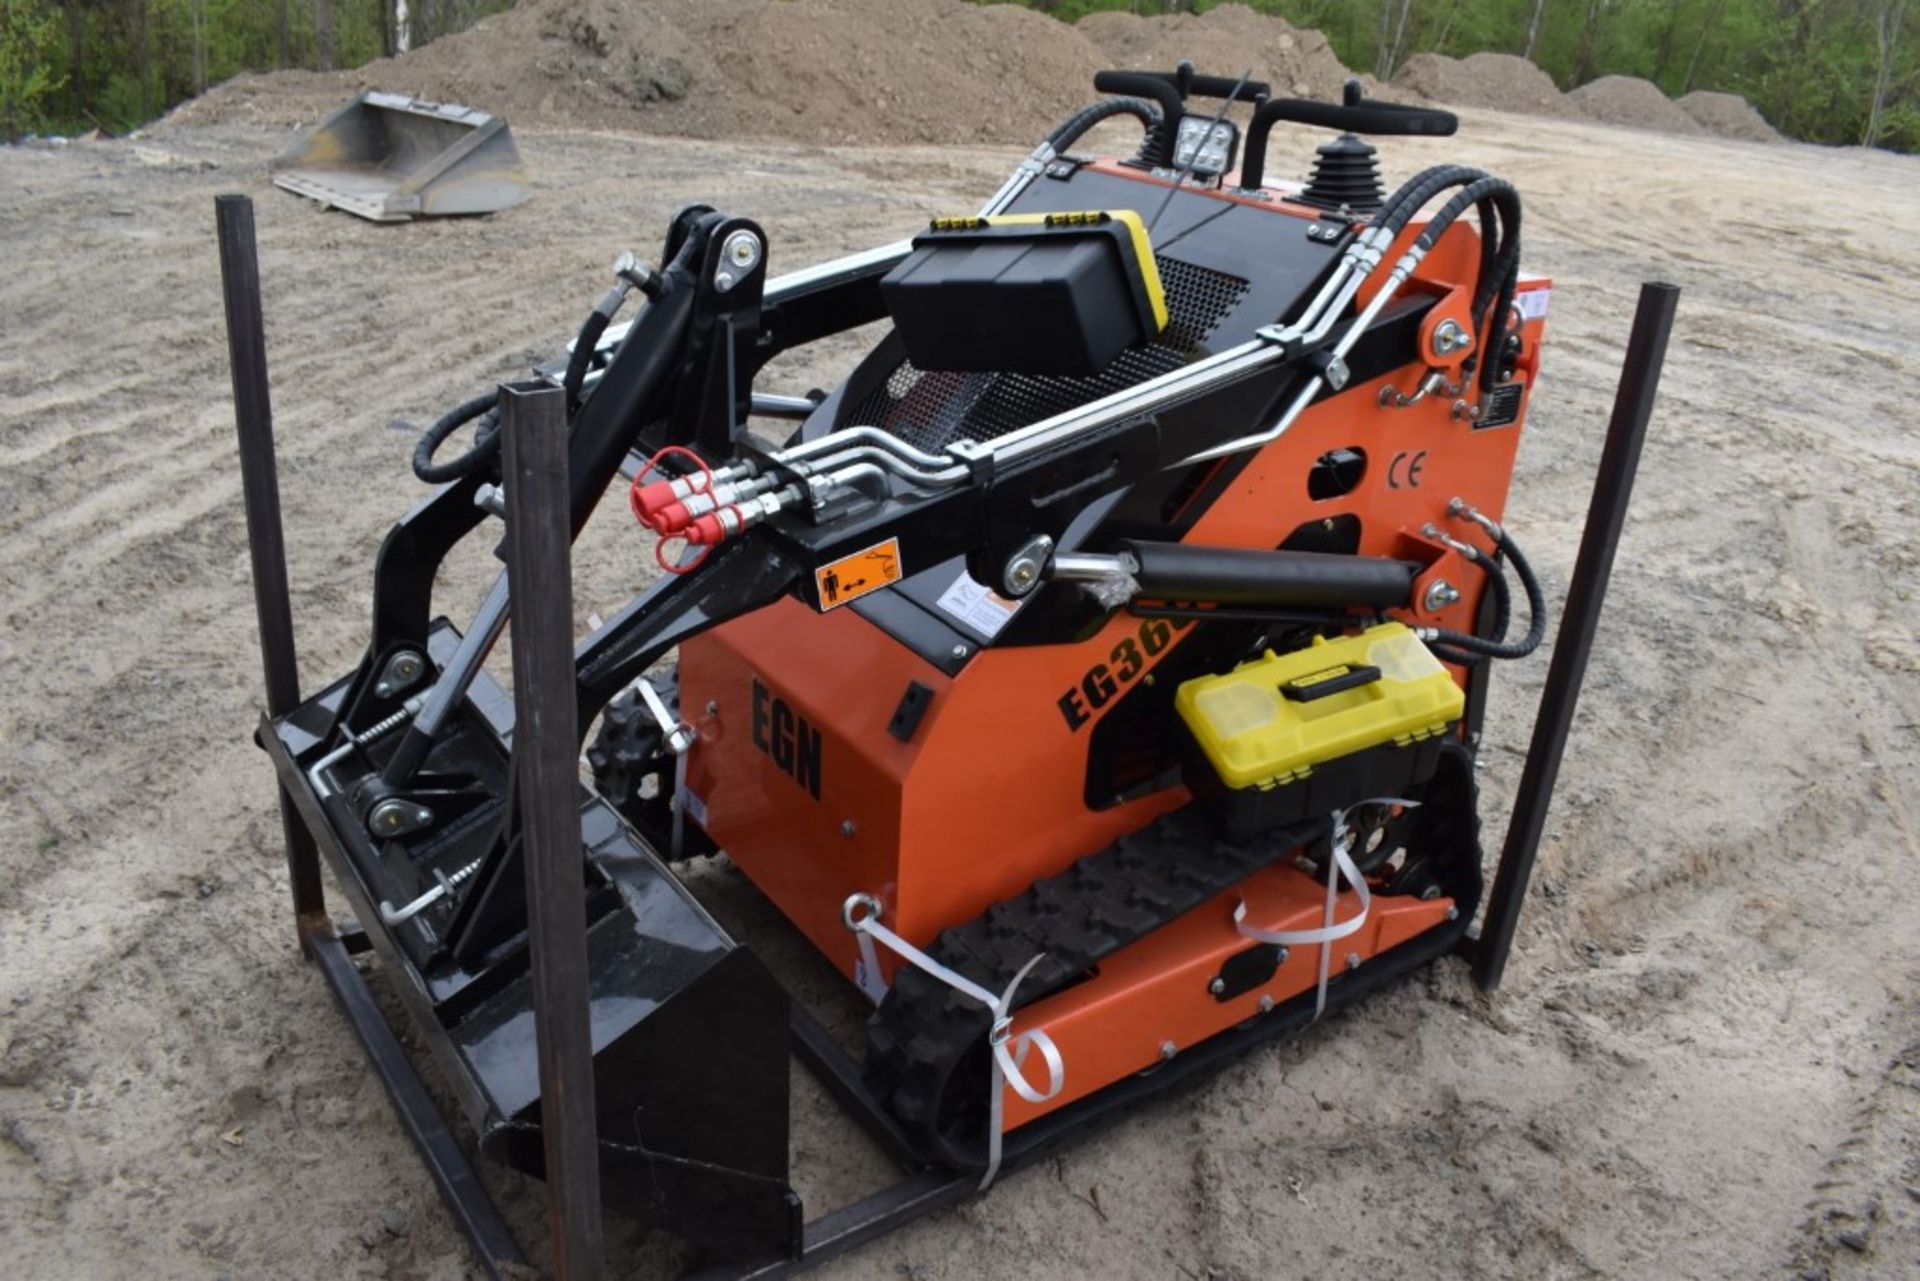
x: 538, y: 540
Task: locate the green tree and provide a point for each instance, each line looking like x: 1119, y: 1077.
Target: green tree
x: 30, y: 57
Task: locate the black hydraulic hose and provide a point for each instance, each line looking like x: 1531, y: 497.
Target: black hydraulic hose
x: 1496, y: 322
x: 1502, y: 609
x: 1493, y: 297
x: 486, y: 443
x: 1499, y: 193
x: 486, y: 440
x: 1498, y: 206
x: 1071, y: 130
x: 1414, y: 193
x: 486, y: 408
x: 587, y: 342
x: 1536, y: 607
x: 1157, y: 150
x: 1499, y: 190
x: 629, y: 395
x: 1491, y: 232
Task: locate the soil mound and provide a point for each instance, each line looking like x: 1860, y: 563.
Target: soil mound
x: 1728, y: 115
x: 1223, y: 41
x: 1633, y: 102
x: 822, y: 71
x: 818, y: 71
x: 1496, y: 81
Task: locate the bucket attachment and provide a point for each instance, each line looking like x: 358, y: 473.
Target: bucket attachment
x: 389, y: 158
x: 689, y: 1030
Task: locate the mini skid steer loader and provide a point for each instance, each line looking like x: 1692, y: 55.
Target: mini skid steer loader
x: 1095, y: 676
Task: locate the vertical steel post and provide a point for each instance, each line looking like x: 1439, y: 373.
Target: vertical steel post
x: 260, y: 485
x: 1573, y: 643
x: 546, y: 758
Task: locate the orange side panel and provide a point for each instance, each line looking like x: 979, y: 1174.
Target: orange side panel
x: 797, y: 777
x: 840, y: 678
x: 1154, y: 993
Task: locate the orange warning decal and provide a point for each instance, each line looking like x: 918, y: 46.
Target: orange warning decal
x: 852, y: 577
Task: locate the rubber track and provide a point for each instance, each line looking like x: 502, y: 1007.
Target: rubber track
x: 922, y: 1033
x: 925, y: 1033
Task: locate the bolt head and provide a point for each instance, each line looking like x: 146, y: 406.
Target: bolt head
x: 960, y: 651
x: 1266, y: 1005
x: 847, y: 828
x: 724, y: 280
x: 1440, y: 595
x: 1218, y: 986
x: 1168, y: 1049
x: 742, y: 249
x: 1449, y: 337
x: 1353, y: 960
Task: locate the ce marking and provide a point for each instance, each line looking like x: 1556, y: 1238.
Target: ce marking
x: 1403, y: 470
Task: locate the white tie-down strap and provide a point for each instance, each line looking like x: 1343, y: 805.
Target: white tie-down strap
x: 861, y: 912
x: 1329, y: 933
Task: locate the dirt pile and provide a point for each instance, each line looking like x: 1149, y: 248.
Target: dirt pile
x: 825, y: 71
x: 820, y: 71
x: 1223, y: 41
x: 889, y: 71
x: 1633, y: 102
x: 1728, y: 115
x: 1498, y: 81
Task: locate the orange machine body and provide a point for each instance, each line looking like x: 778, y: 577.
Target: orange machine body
x: 796, y: 775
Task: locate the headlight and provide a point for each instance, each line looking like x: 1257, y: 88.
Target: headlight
x: 1205, y: 146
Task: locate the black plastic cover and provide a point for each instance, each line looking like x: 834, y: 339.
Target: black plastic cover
x: 1061, y: 297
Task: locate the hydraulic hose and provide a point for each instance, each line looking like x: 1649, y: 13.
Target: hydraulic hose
x: 486, y: 408
x: 587, y: 341
x: 1502, y: 607
x: 486, y: 440
x: 1156, y: 151
x: 1071, y: 130
x: 1498, y: 206
x: 1536, y: 608
x: 1413, y: 194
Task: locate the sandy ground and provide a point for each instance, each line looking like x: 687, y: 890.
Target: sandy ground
x: 1706, y: 1059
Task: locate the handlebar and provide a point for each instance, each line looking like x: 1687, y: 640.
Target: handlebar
x: 1351, y: 116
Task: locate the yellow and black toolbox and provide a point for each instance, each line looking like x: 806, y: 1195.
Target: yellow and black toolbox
x: 1057, y: 294
x: 1292, y: 736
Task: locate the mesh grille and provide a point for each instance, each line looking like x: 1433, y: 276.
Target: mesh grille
x: 930, y: 410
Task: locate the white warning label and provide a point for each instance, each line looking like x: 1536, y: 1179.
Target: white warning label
x: 977, y: 605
